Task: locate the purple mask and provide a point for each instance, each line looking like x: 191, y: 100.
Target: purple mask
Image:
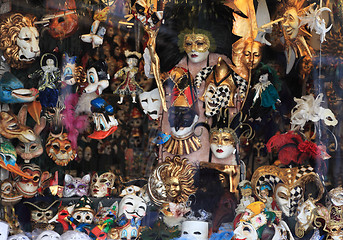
x: 76, y: 186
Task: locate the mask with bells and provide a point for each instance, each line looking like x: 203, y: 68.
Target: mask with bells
x: 19, y: 40
x: 220, y: 89
x: 41, y: 213
x: 102, y: 185
x: 59, y: 149
x: 29, y: 187
x: 103, y: 117
x: 151, y: 103
x: 83, y: 211
x: 288, y: 185
x: 76, y: 186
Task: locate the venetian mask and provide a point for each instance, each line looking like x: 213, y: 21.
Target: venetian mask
x: 102, y: 185
x: 13, y: 91
x: 76, y: 186
x: 182, y: 120
x: 75, y: 235
x: 105, y: 213
x: 4, y: 230
x: 19, y: 236
x: 220, y: 89
x: 177, y: 177
x: 19, y: 40
x: 103, y: 117
x: 59, y: 149
x: 291, y: 23
x: 132, y: 206
x: 151, y: 103
x: 196, y: 46
x: 245, y: 230
x: 41, y: 214
x: 29, y: 187
x: 9, y: 195
x: 68, y: 69
x: 156, y: 188
x: 32, y: 149
x: 252, y: 54
x: 48, y: 235
x: 304, y: 217
x: 288, y: 185
x: 11, y: 128
x: 195, y: 229
x: 223, y: 142
x: 97, y: 78
x: 83, y: 211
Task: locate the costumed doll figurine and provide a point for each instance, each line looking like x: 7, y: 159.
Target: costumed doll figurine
x: 129, y: 86
x: 49, y: 82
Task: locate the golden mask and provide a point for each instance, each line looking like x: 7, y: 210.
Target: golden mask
x: 252, y: 54
x: 196, y: 42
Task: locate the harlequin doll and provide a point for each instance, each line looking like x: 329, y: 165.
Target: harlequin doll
x: 129, y: 86
x: 49, y: 80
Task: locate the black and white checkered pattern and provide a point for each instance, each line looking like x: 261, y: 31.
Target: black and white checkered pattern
x: 270, y: 179
x: 220, y: 99
x: 303, y: 170
x: 295, y: 199
x: 241, y: 84
x: 202, y: 75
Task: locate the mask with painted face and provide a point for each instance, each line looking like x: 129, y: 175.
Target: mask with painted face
x: 197, y: 47
x: 195, y: 230
x: 102, y: 185
x: 304, y: 217
x: 223, y: 142
x: 76, y: 186
x: 132, y: 206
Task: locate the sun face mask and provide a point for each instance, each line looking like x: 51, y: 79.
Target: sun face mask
x: 151, y: 103
x: 76, y: 186
x: 102, y: 185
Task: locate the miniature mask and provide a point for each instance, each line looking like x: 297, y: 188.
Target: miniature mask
x: 96, y: 34
x: 103, y: 117
x: 68, y: 69
x: 151, y: 103
x: 76, y: 186
x: 83, y: 211
x: 196, y: 46
x: 19, y: 40
x: 59, y: 149
x: 29, y: 187
x: 97, y: 78
x: 49, y: 235
x: 102, y: 185
x: 223, y: 142
x: 195, y: 229
x: 132, y: 206
x: 177, y: 177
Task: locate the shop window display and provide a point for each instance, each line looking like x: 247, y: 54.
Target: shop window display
x: 171, y: 119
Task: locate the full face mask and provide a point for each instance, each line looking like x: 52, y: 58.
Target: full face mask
x: 49, y: 235
x: 151, y: 103
x: 304, y: 217
x: 223, y: 142
x: 195, y: 230
x: 156, y: 187
x: 97, y: 78
x: 59, y: 149
x: 83, y: 211
x: 197, y: 47
x: 76, y: 186
x: 102, y: 185
x: 132, y: 206
x: 41, y: 214
x: 182, y: 121
x: 288, y: 185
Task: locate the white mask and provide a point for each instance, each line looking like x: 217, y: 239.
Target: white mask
x: 49, y: 235
x: 94, y: 83
x: 151, y: 103
x: 245, y: 231
x: 304, y: 215
x: 20, y: 236
x: 223, y: 151
x: 197, y: 57
x: 195, y: 230
x: 4, y: 228
x: 75, y: 235
x: 28, y: 49
x: 184, y: 131
x: 132, y: 207
x: 286, y: 201
x: 102, y: 185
